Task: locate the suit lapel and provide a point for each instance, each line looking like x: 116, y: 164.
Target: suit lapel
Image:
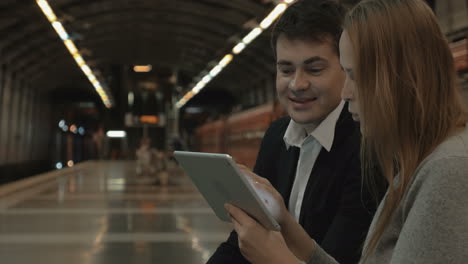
x: 321, y: 174
x: 287, y: 171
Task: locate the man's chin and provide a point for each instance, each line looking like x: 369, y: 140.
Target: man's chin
x: 312, y: 115
x: 305, y: 120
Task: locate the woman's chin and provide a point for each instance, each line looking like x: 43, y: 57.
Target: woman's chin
x: 356, y: 117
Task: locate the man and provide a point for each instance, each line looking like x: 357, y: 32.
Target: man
x: 310, y: 156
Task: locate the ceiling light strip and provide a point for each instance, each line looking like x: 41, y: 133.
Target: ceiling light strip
x: 57, y: 25
x: 252, y: 35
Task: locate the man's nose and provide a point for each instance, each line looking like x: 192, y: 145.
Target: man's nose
x: 300, y: 82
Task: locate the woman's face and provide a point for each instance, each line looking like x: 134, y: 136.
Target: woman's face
x: 349, y: 92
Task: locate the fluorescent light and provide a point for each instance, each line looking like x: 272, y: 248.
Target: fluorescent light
x: 58, y: 26
x: 279, y: 9
x: 188, y: 95
x: 70, y: 46
x: 142, y: 68
x: 238, y: 48
x: 116, y: 134
x: 226, y: 60
x: 206, y: 79
x: 85, y: 68
x: 60, y: 30
x: 47, y: 10
x: 92, y: 78
x: 198, y: 87
x: 97, y: 86
x: 58, y: 165
x: 252, y: 35
x: 79, y: 60
x: 217, y: 69
x: 181, y: 102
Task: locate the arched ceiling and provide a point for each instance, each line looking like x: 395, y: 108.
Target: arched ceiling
x: 180, y: 34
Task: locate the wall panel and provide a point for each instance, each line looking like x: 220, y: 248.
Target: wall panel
x: 5, y: 117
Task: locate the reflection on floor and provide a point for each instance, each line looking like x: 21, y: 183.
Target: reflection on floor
x: 99, y: 212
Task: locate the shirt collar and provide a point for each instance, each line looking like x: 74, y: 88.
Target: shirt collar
x: 324, y: 133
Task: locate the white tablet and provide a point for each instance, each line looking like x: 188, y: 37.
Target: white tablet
x: 220, y: 181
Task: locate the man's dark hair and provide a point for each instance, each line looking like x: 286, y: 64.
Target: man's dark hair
x: 310, y: 20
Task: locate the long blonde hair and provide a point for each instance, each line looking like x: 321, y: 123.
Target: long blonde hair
x: 407, y: 87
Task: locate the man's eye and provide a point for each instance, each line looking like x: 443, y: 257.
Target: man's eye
x: 286, y: 71
x: 315, y: 71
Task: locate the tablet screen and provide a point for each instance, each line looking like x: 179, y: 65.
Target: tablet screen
x: 220, y: 181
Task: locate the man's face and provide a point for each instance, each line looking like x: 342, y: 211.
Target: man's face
x: 309, y: 79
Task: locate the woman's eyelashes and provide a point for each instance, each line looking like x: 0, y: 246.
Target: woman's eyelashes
x: 349, y: 72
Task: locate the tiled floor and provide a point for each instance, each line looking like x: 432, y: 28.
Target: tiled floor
x: 99, y: 212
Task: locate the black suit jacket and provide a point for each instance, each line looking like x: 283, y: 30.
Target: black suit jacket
x: 335, y: 210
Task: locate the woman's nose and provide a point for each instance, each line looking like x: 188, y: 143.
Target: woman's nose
x: 347, y: 92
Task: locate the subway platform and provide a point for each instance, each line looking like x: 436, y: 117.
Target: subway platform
x: 100, y: 212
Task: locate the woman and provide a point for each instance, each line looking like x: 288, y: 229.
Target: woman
x: 402, y: 87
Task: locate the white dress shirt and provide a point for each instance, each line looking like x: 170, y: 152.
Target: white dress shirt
x: 310, y: 145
